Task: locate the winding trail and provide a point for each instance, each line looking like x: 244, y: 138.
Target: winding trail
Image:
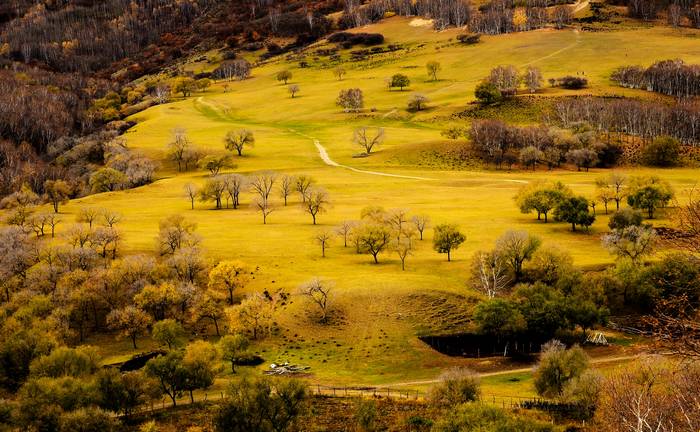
x: 323, y: 153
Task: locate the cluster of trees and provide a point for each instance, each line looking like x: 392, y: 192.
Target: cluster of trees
x: 494, y: 17
x: 504, y: 82
x: 84, y: 39
x: 671, y: 77
x: 630, y: 117
x: 543, y: 198
x: 676, y: 12
x: 227, y: 188
x: 380, y: 231
x: 498, y: 143
x: 532, y: 292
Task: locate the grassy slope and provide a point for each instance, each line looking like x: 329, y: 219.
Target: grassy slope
x: 376, y: 342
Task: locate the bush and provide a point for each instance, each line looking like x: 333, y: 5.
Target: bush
x: 572, y: 82
x: 469, y: 38
x: 457, y: 386
x: 662, y: 152
x: 624, y: 218
x: 487, y: 93
x: 351, y: 39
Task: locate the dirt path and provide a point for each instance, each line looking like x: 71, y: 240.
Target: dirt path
x: 512, y: 371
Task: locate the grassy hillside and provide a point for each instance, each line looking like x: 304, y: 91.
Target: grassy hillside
x: 382, y: 307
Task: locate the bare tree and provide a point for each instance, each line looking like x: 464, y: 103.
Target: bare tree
x: 368, y: 138
x: 345, y: 229
x: 88, y: 215
x: 319, y: 292
x: 111, y: 217
x: 287, y: 184
x: 238, y: 139
x: 397, y: 219
x: 192, y: 191
x: 263, y: 183
x: 421, y: 222
x: 490, y: 273
x: 532, y: 78
x: 339, y: 73
x: 316, y: 203
x: 233, y: 185
x: 179, y: 148
x: 263, y: 206
x: 293, y: 90
x: 433, y: 68
x: 303, y: 184
x: 323, y: 238
x: 403, y: 248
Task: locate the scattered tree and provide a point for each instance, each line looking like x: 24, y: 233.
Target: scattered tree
x: 368, y: 138
x: 447, y: 238
x: 351, y: 100
x: 316, y: 203
x: 293, y: 90
x: 168, y: 332
x: 234, y: 349
x: 400, y: 80
x: 433, y: 67
x: 516, y: 247
x: 318, y: 292
x: 284, y: 75
x: 238, y: 140
x: 131, y: 321
x: 574, y: 210
x: 228, y: 277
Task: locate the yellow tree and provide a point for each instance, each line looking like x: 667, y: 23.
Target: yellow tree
x: 229, y: 276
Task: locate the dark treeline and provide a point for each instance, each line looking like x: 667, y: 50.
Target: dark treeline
x: 646, y: 120
x: 671, y: 77
x: 87, y: 38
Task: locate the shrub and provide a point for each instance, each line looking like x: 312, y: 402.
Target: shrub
x: 572, y: 82
x: 487, y: 93
x: 350, y: 39
x: 664, y: 151
x: 469, y: 38
x: 456, y: 386
x: 624, y: 218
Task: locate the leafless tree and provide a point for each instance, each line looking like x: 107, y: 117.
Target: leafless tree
x: 323, y: 238
x: 316, y: 202
x: 404, y: 249
x: 319, y: 292
x: 233, y: 185
x: 368, y: 138
x: 263, y: 206
x: 287, y: 184
x: 421, y: 222
x: 293, y: 90
x: 111, y: 217
x: 345, y: 229
x: 303, y: 184
x: 88, y: 215
x: 339, y: 72
x: 490, y: 273
x: 192, y: 192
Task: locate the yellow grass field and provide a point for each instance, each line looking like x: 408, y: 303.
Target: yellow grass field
x: 381, y: 305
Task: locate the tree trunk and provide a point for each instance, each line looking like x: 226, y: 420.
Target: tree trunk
x: 216, y: 326
x: 448, y: 256
x: 133, y: 341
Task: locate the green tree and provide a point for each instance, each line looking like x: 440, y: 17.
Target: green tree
x: 170, y: 373
x: 574, y: 210
x: 238, y: 140
x: 107, y: 180
x: 284, y: 75
x: 499, y: 318
x: 624, y: 218
x: 516, y: 247
x: 185, y: 85
x: 541, y: 197
x: 447, y: 238
x: 649, y: 193
x: 557, y: 367
x: 234, y: 348
x: 57, y: 192
x: 168, y: 332
x: 121, y: 392
x: 455, y: 386
x: 214, y: 164
x: 200, y: 364
x: 487, y: 93
x: 400, y: 80
x: 663, y: 151
x: 433, y: 67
